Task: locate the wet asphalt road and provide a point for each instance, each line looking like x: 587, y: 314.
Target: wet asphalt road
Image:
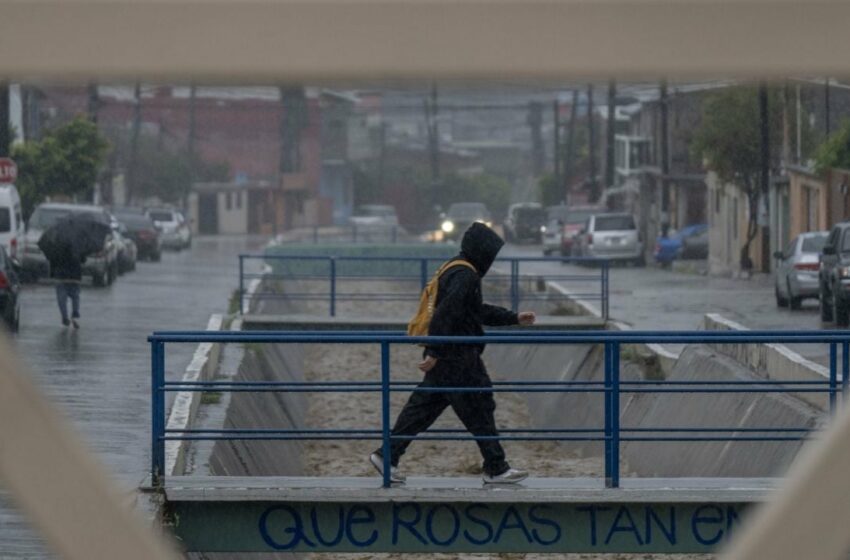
x: 99, y: 376
x: 651, y: 298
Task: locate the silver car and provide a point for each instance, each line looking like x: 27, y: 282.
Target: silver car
x: 611, y: 236
x: 797, y: 269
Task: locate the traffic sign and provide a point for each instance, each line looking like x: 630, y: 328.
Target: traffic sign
x: 8, y: 170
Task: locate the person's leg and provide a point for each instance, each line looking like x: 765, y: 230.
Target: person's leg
x: 74, y: 294
x: 62, y: 300
x: 476, y: 411
x: 421, y: 410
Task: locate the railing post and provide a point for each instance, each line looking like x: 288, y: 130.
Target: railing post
x: 423, y: 273
x: 605, y: 289
x: 333, y: 286
x: 157, y: 412
x: 615, y: 415
x: 395, y: 234
x: 354, y: 233
x: 514, y: 285
x: 315, y: 235
x: 241, y: 284
x: 385, y: 411
x: 607, y: 414
x: 833, y: 375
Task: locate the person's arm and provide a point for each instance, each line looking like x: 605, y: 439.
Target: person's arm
x: 495, y: 316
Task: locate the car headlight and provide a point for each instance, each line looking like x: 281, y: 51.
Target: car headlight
x: 448, y: 226
x: 844, y: 272
x: 542, y: 229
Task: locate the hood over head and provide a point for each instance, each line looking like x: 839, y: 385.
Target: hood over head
x: 480, y: 245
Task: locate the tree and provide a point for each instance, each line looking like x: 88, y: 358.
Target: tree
x: 729, y: 140
x: 64, y: 163
x: 835, y: 151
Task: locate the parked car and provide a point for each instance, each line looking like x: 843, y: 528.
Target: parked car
x: 10, y: 304
x: 143, y: 232
x: 687, y: 243
x: 374, y: 215
x: 171, y: 223
x: 461, y: 215
x: 11, y: 222
x: 834, y: 276
x: 797, y: 269
x: 563, y: 223
x: 102, y: 267
x: 611, y: 236
x: 524, y: 222
x: 127, y: 250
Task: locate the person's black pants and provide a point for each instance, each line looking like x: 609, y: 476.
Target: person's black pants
x: 475, y: 409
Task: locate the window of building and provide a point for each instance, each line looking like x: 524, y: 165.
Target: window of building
x: 239, y: 200
x: 717, y: 201
x: 228, y: 201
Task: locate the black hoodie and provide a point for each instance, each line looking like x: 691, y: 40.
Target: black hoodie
x: 459, y: 309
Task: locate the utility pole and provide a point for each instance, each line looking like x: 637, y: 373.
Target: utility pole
x: 765, y: 174
x: 827, y: 120
x: 799, y: 154
x: 556, y: 150
x: 431, y: 113
x: 190, y: 146
x: 610, y: 132
x: 382, y: 156
x: 786, y: 126
x: 132, y: 177
x: 94, y: 102
x: 5, y: 128
x: 571, y: 137
x: 535, y: 122
x: 591, y: 129
x: 665, y: 159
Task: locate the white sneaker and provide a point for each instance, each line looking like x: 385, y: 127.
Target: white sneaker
x: 510, y: 476
x: 378, y: 462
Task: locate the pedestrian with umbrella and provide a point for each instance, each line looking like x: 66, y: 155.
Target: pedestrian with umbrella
x: 66, y: 245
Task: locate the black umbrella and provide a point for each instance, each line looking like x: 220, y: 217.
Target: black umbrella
x: 80, y: 235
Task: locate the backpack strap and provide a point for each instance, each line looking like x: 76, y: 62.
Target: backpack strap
x: 454, y: 263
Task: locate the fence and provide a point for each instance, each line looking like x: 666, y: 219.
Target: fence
x: 515, y: 287
x: 611, y: 388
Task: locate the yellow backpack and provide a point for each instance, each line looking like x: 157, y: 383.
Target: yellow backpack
x: 418, y: 326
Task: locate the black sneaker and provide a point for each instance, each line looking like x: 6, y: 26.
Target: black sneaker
x: 378, y: 462
x: 65, y: 322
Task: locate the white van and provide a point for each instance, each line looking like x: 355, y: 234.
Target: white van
x: 11, y: 221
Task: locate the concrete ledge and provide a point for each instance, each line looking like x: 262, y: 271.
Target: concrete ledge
x: 771, y: 361
x: 468, y: 489
x: 254, y: 322
x: 185, y: 405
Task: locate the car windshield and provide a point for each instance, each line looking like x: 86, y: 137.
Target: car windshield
x: 557, y: 213
x: 814, y: 244
x: 135, y: 222
x: 162, y: 216
x: 577, y: 216
x: 468, y: 211
x: 614, y: 223
x: 43, y: 218
x: 530, y: 214
x: 376, y: 211
x: 5, y: 220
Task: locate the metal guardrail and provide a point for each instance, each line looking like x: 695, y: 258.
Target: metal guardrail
x: 417, y: 271
x: 612, y: 388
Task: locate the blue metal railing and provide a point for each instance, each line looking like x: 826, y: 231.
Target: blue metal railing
x: 612, y: 387
x: 591, y: 286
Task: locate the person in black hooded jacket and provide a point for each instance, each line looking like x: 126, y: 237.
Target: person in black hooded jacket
x: 460, y: 311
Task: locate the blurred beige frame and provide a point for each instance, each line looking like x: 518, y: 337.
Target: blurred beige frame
x: 325, y: 40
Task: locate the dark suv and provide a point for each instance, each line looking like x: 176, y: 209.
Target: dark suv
x: 834, y: 277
